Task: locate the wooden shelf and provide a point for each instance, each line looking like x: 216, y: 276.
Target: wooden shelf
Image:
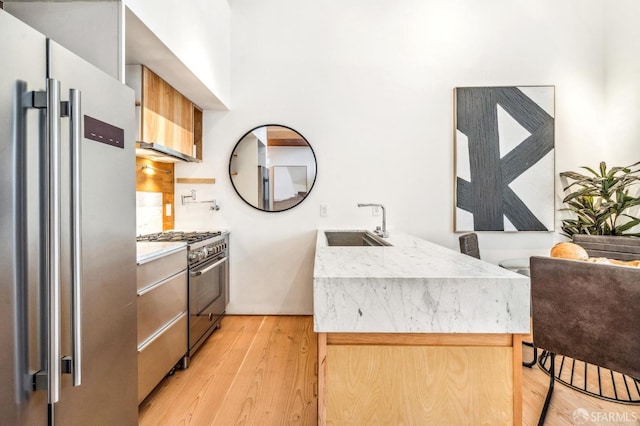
x: 196, y: 180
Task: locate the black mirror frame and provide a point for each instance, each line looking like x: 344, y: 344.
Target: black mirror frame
x: 315, y: 159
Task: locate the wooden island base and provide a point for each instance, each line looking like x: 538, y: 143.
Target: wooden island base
x: 393, y: 378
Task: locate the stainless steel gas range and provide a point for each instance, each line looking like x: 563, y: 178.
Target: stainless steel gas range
x: 208, y: 289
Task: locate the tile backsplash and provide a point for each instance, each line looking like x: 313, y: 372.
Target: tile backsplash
x: 148, y: 212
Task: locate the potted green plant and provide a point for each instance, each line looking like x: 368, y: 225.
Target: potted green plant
x: 601, y: 201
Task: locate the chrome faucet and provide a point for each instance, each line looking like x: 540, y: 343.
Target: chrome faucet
x: 380, y: 232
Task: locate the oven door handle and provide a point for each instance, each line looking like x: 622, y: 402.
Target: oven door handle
x: 208, y: 268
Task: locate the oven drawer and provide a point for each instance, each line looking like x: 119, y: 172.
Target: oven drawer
x: 160, y: 268
x: 207, y: 300
x: 159, y: 355
x: 160, y: 304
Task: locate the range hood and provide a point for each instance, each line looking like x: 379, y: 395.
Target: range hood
x: 162, y: 154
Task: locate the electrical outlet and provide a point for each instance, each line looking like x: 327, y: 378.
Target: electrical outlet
x: 324, y: 210
x: 375, y: 210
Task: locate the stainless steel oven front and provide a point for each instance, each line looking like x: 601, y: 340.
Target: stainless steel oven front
x: 208, y: 289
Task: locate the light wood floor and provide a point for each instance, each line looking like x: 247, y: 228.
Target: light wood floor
x: 261, y: 370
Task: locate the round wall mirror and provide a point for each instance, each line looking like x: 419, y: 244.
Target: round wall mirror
x: 272, y: 168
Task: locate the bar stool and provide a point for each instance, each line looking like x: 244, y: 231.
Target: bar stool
x: 469, y: 245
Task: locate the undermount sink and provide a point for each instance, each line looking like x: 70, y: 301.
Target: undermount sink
x: 353, y: 239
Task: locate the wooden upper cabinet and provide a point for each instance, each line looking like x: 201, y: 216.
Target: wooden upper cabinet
x: 166, y: 116
x: 197, y: 131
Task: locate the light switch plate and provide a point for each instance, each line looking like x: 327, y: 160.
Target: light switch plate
x: 324, y: 210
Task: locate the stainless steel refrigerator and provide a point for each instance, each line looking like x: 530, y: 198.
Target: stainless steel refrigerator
x: 67, y: 237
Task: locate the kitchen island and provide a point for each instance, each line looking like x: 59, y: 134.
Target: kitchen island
x: 416, y: 333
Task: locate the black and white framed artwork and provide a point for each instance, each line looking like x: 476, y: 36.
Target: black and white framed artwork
x: 504, y: 158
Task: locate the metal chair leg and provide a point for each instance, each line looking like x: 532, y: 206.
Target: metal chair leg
x: 607, y: 385
x: 531, y: 363
x: 547, y: 400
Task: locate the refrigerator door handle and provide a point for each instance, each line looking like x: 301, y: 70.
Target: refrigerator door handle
x: 53, y: 136
x: 75, y: 131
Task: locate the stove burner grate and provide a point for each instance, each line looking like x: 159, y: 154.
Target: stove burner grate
x: 178, y: 236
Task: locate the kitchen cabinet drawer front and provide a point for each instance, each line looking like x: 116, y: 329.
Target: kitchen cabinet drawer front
x: 160, y: 304
x: 160, y: 355
x: 159, y: 269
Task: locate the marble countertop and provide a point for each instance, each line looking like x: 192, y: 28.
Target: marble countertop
x: 149, y: 250
x: 414, y: 286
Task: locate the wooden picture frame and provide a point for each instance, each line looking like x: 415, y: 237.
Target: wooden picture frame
x: 504, y: 158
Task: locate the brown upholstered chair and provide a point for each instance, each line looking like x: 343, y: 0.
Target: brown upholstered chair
x: 469, y: 244
x: 586, y: 311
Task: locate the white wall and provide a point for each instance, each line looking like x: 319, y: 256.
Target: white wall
x: 197, y: 32
x: 622, y: 83
x: 370, y: 85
